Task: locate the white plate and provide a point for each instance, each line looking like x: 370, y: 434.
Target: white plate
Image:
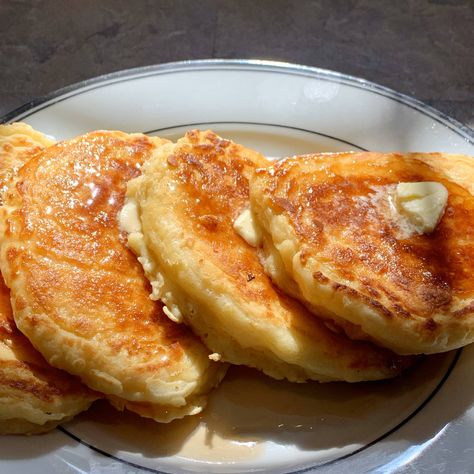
x: 421, y: 422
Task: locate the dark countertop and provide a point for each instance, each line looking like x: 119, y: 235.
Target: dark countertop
x: 421, y: 48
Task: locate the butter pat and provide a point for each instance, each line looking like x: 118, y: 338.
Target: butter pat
x: 129, y: 220
x: 422, y: 203
x: 246, y: 227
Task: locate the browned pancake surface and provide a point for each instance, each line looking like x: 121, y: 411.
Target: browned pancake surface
x: 34, y: 397
x: 214, y: 175
x: 48, y: 395
x: 423, y: 282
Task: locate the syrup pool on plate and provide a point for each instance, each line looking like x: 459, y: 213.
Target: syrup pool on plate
x: 250, y: 412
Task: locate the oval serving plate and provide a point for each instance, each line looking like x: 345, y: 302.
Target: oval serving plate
x: 423, y: 421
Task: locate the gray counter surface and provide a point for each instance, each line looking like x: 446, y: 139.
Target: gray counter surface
x: 421, y: 48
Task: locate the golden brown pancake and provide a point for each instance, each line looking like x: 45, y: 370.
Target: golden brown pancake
x: 34, y: 397
x: 187, y: 199
x: 79, y: 294
x: 327, y: 217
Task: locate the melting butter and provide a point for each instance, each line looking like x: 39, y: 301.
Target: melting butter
x: 129, y: 220
x: 422, y: 203
x: 247, y: 228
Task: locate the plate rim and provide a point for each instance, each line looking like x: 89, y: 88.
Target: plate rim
x: 35, y: 105
x: 466, y: 132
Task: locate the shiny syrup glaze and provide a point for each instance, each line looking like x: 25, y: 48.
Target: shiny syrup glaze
x: 332, y: 208
x: 214, y: 175
x: 72, y: 255
x: 25, y: 372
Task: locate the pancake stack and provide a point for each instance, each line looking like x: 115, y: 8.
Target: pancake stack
x: 232, y: 242
x: 186, y: 202
x: 139, y: 268
x: 80, y: 296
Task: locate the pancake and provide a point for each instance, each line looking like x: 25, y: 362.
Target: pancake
x: 18, y: 142
x: 34, y: 397
x: 79, y: 294
x: 186, y: 202
x: 329, y: 219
